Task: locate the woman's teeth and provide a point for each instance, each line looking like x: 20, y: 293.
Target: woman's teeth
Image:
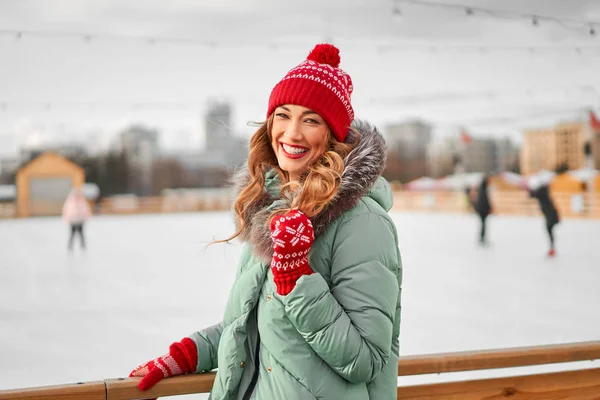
x: 293, y: 150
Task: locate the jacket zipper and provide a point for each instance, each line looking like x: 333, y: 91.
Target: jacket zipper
x: 254, y: 379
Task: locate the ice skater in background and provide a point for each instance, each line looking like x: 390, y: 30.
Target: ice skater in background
x: 542, y: 194
x: 76, y: 211
x: 483, y: 207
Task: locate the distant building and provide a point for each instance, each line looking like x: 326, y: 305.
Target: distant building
x: 139, y: 142
x: 217, y: 126
x: 550, y: 149
x: 140, y: 146
x: 222, y: 145
x: 506, y: 155
x: 8, y: 167
x: 440, y: 157
x: 408, y: 137
x: 487, y: 155
x: 407, y: 143
x: 211, y: 167
x: 478, y: 155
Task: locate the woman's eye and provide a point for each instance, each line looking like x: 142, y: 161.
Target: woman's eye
x: 281, y: 115
x: 312, y: 121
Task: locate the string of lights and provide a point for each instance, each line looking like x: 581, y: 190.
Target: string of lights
x: 101, y: 105
x: 91, y: 37
x: 411, y: 99
x: 505, y: 119
x: 497, y: 119
x: 490, y: 95
x: 508, y: 119
x: 535, y: 19
x: 380, y: 46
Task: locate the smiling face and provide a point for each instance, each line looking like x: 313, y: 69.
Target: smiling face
x: 299, y: 137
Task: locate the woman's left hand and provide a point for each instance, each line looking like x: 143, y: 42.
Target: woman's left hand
x: 293, y: 236
x: 181, y: 359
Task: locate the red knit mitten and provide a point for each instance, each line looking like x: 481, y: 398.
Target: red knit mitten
x: 181, y: 359
x: 293, y: 236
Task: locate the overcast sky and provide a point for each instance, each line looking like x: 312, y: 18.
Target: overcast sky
x: 61, y: 88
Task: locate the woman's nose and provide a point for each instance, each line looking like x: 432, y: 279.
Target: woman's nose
x: 293, y: 132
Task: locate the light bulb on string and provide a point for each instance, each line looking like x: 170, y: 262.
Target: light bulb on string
x: 397, y: 12
x: 535, y: 21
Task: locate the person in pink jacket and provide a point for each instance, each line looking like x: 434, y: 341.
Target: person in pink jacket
x: 76, y: 211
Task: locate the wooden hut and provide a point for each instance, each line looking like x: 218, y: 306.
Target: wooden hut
x: 44, y: 183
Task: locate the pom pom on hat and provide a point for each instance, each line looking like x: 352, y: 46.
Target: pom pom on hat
x: 325, y: 54
x: 320, y: 84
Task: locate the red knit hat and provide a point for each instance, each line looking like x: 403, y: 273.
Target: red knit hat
x: 320, y: 85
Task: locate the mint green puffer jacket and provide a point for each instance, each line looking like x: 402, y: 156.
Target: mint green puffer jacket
x: 335, y: 336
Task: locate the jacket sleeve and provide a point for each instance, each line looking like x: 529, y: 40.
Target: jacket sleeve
x: 350, y: 325
x: 207, y: 344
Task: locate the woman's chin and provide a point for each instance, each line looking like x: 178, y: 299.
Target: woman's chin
x: 293, y: 168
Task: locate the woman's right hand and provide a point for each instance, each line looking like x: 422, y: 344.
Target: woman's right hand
x: 293, y: 236
x: 181, y: 359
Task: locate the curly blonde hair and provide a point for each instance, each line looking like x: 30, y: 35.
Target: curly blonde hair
x: 317, y: 187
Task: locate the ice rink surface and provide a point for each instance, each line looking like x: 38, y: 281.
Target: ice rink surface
x: 148, y: 280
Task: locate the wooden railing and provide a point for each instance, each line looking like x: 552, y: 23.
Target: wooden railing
x: 576, y: 384
x: 504, y: 203
x: 569, y: 205
x: 163, y: 204
x: 8, y: 209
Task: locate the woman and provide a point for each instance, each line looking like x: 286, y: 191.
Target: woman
x: 315, y: 308
x: 542, y: 194
x: 76, y: 211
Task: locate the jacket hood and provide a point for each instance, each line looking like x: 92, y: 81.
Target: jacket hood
x: 363, y: 168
